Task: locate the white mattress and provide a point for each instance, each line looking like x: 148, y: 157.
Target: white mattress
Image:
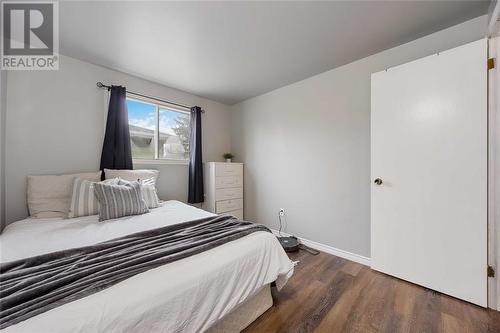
x: 188, y: 295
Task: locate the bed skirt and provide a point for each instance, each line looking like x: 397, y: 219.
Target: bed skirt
x: 245, y: 314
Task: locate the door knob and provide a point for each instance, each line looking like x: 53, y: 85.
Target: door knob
x: 378, y: 181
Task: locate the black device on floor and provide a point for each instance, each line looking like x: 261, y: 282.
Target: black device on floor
x: 290, y: 244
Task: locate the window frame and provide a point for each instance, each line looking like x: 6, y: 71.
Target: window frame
x: 158, y: 105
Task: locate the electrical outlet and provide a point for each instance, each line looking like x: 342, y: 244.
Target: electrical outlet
x: 282, y: 211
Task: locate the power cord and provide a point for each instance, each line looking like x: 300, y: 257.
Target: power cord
x: 308, y: 249
x: 301, y: 246
x: 279, y: 230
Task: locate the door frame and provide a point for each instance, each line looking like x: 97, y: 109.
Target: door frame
x: 494, y: 173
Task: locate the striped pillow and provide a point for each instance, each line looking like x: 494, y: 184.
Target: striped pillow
x: 150, y: 196
x: 119, y: 200
x: 83, y: 201
x: 148, y: 191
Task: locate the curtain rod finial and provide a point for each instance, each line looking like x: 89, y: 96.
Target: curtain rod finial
x: 99, y: 84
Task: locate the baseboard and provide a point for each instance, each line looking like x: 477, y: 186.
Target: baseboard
x: 330, y: 250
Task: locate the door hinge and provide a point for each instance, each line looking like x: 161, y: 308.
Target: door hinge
x: 491, y: 63
x: 491, y: 271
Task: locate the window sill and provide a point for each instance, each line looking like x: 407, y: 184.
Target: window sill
x: 160, y: 162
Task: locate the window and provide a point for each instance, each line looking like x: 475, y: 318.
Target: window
x: 158, y: 131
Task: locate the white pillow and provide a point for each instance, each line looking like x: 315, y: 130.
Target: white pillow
x: 49, y: 195
x: 132, y: 175
x: 148, y: 192
x: 83, y: 201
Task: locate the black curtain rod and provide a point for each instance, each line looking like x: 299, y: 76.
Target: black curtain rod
x: 101, y: 85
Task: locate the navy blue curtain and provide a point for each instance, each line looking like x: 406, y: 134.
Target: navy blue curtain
x: 195, y: 193
x: 116, y: 150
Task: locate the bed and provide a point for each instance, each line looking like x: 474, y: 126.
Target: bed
x: 221, y: 289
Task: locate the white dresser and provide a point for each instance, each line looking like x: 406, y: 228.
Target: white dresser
x: 224, y: 188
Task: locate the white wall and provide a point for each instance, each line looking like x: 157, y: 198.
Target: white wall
x: 56, y: 120
x: 306, y: 146
x: 3, y: 104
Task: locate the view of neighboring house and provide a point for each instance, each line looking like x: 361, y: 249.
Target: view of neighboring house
x: 143, y: 146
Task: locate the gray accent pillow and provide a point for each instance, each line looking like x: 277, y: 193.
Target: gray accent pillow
x: 119, y: 200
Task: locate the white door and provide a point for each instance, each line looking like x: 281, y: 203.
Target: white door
x: 429, y: 149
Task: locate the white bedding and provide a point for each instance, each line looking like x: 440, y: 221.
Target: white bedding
x: 188, y: 295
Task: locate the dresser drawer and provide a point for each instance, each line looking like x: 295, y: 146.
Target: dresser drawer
x: 228, y: 205
x: 228, y: 169
x: 230, y: 181
x: 228, y: 193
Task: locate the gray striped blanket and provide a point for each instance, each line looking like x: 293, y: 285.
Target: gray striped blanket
x: 34, y: 285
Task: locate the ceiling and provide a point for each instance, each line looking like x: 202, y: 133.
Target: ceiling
x: 231, y: 51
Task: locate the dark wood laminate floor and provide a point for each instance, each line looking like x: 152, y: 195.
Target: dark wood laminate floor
x: 331, y: 294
